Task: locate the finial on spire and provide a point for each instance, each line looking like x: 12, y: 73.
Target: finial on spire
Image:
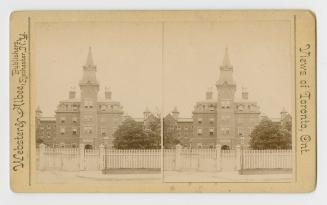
x: 226, y: 61
x: 89, y: 60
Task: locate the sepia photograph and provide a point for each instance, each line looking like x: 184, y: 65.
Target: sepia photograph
x: 228, y: 101
x: 99, y: 99
x: 163, y: 101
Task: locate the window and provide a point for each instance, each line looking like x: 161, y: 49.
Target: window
x: 88, y: 130
x: 211, y: 108
x: 240, y: 131
x: 74, y: 119
x: 88, y: 104
x: 103, y: 107
x: 48, y: 127
x: 211, y: 130
x: 62, y: 119
x: 74, y: 131
x: 240, y: 108
x: 75, y: 108
x: 212, y: 120
x: 225, y: 104
x: 225, y: 131
x: 103, y: 131
x: 185, y: 128
x: 199, y: 120
x: 199, y: 131
x: 62, y: 130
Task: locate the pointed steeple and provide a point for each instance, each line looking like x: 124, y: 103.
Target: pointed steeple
x: 226, y: 61
x: 175, y: 113
x: 89, y: 60
x: 226, y: 70
x: 89, y: 73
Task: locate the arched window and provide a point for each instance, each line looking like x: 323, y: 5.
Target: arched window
x: 88, y: 146
x: 225, y: 147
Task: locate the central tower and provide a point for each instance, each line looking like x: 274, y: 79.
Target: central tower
x: 226, y: 88
x: 88, y: 109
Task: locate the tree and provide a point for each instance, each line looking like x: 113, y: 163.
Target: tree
x: 268, y: 135
x: 39, y: 141
x: 152, y: 127
x: 170, y: 138
x: 133, y: 135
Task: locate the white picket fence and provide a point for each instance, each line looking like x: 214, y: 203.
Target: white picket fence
x: 179, y: 159
x: 258, y: 159
x: 124, y: 159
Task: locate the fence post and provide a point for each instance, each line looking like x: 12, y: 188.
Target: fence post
x: 42, y: 156
x: 178, y: 162
x: 238, y: 158
x: 218, y: 157
x: 81, y: 157
x: 101, y: 159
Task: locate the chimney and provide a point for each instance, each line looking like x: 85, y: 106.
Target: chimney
x: 175, y: 113
x: 245, y: 94
x: 146, y: 113
x: 283, y: 114
x: 38, y: 112
x: 209, y: 94
x: 72, y: 93
x: 107, y: 93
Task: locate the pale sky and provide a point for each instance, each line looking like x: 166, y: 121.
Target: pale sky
x: 128, y: 56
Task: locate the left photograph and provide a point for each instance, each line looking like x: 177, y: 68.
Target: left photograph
x: 98, y: 102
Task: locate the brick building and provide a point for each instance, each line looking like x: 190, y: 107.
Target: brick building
x: 224, y: 119
x: 90, y: 120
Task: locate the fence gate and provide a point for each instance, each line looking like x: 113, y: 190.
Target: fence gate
x: 198, y: 159
x: 228, y: 160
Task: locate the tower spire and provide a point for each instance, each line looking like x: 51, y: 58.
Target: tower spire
x: 226, y: 70
x: 226, y: 61
x: 89, y: 60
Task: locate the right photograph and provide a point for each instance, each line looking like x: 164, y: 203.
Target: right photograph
x: 227, y: 101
